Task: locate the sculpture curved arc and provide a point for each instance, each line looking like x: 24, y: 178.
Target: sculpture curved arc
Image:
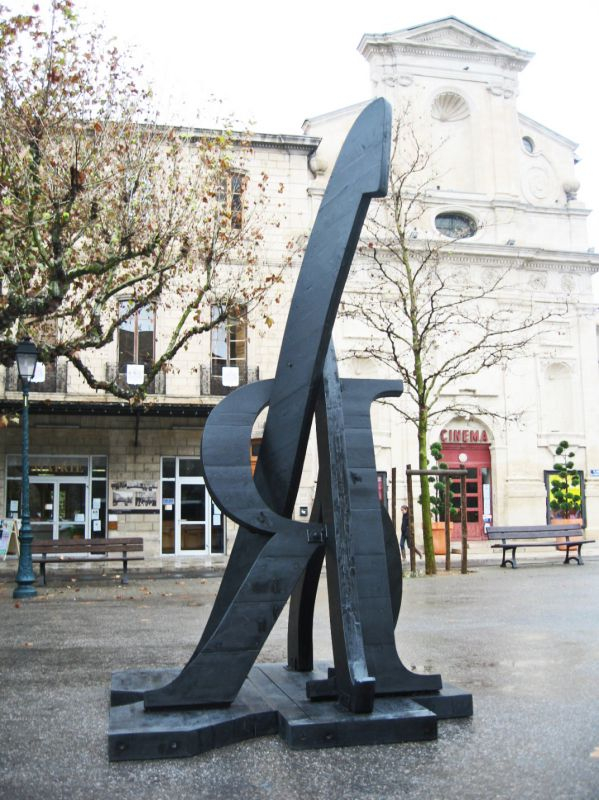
x: 227, y: 469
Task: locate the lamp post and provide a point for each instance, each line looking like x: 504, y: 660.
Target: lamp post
x: 26, y: 360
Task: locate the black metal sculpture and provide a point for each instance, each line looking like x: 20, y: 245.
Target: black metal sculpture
x: 219, y: 696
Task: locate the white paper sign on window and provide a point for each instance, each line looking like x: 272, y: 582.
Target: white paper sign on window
x: 230, y: 376
x: 39, y: 376
x: 135, y: 374
x: 486, y: 499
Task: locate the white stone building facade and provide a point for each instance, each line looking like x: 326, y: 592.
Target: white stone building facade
x: 100, y: 470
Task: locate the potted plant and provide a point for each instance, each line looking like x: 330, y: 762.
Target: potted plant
x: 438, y: 500
x: 565, y: 499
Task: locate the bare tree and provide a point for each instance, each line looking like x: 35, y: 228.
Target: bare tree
x: 422, y: 320
x: 104, y: 212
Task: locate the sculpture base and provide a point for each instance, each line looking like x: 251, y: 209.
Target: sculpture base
x: 272, y: 700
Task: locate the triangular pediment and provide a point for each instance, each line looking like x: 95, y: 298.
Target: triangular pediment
x: 449, y: 35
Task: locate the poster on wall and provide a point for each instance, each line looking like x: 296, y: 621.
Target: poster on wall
x: 9, y: 537
x: 134, y: 495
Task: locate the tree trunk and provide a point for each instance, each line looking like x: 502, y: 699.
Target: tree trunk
x: 429, y: 549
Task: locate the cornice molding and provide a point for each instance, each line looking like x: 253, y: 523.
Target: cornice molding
x: 505, y: 256
x: 289, y: 142
x: 295, y: 144
x: 538, y: 126
x: 434, y: 199
x: 458, y: 201
x: 337, y: 113
x: 384, y: 50
x: 564, y: 263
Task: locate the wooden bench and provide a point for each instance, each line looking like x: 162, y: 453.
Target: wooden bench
x: 563, y: 537
x: 88, y: 551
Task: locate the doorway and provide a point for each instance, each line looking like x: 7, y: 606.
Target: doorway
x: 191, y: 523
x: 190, y: 516
x: 58, y: 508
x: 67, y: 495
x: 476, y: 459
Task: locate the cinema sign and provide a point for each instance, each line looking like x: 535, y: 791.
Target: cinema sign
x: 463, y: 436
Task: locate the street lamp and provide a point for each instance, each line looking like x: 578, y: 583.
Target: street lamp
x: 26, y: 360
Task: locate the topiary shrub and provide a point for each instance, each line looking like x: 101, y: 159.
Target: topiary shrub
x: 566, y: 500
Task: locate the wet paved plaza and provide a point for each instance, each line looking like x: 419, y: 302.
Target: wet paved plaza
x: 524, y: 642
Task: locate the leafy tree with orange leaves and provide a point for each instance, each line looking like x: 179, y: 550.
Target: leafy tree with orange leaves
x: 100, y: 202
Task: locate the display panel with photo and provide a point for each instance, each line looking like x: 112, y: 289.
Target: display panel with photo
x: 136, y: 495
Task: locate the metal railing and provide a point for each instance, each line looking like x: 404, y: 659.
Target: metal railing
x: 157, y: 386
x: 211, y: 384
x: 55, y: 380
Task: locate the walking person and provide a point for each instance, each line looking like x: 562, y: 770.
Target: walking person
x: 405, y: 533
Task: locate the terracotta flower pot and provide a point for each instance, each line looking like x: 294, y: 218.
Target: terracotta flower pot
x: 557, y: 522
x: 439, y: 538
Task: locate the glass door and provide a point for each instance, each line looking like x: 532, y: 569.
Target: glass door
x: 57, y: 509
x: 191, y: 523
x: 41, y: 509
x: 67, y: 495
x: 190, y: 529
x: 476, y: 459
x: 474, y: 504
x: 70, y: 504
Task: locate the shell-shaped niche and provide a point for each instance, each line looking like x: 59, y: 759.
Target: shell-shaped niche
x: 450, y: 107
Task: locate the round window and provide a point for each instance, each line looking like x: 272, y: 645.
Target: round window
x: 454, y: 225
x: 528, y: 144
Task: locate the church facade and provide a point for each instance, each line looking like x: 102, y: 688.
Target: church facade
x: 511, y: 184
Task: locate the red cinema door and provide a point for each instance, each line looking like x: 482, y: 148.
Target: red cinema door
x: 475, y: 457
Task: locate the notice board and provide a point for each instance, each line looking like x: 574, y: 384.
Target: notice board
x: 9, y: 537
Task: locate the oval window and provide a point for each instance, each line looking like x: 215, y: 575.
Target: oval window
x: 528, y: 144
x: 455, y: 226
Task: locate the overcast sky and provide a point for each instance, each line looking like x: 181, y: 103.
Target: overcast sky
x: 276, y: 62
